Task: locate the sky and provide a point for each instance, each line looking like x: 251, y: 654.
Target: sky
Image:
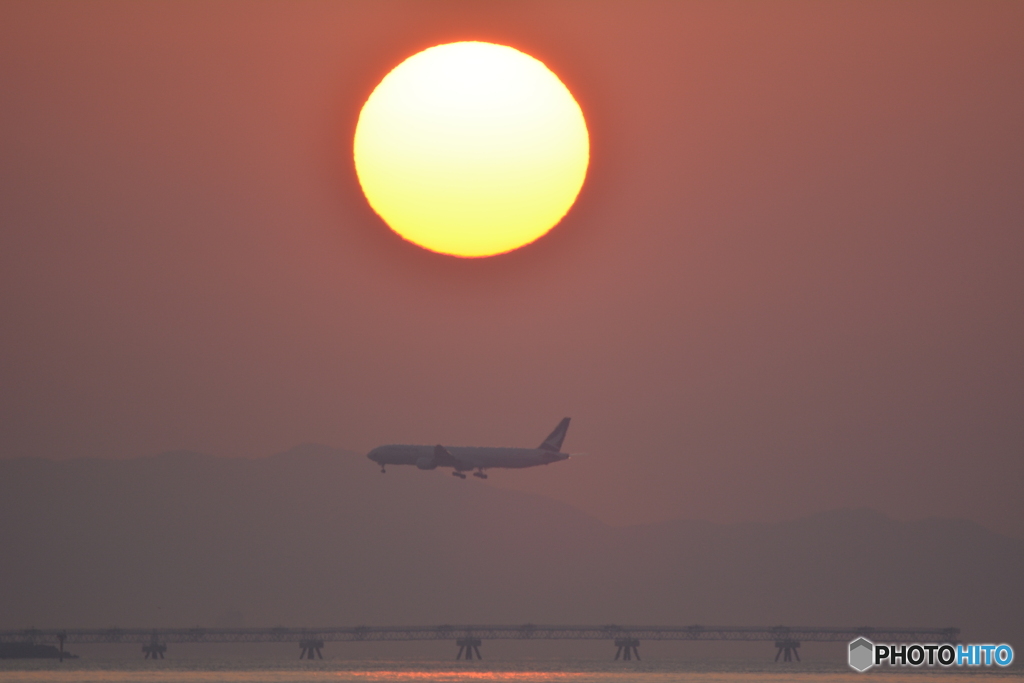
x: 793, y: 280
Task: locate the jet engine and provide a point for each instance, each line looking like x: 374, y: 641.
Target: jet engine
x: 426, y: 462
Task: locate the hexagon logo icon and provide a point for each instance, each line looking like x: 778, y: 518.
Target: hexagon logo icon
x: 862, y: 653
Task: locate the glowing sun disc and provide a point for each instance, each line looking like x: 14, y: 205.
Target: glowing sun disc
x: 471, y: 149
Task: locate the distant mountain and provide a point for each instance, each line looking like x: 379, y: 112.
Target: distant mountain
x: 318, y: 536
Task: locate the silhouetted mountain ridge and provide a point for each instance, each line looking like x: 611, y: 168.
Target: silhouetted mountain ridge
x: 318, y: 536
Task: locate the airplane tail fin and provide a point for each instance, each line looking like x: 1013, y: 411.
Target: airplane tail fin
x: 554, y: 441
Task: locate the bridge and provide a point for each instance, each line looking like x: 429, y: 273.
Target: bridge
x: 468, y: 638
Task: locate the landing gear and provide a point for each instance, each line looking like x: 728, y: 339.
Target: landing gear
x: 458, y: 474
x: 382, y: 470
x: 480, y: 474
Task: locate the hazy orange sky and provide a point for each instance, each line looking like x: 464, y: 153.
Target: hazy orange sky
x: 793, y: 281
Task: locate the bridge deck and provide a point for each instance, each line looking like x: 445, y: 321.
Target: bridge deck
x: 483, y: 632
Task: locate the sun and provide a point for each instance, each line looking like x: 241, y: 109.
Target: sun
x: 471, y: 149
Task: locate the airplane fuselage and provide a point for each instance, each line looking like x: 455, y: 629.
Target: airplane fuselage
x: 464, y: 457
x: 479, y: 458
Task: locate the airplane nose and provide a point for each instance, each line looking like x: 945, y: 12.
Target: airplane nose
x: 371, y: 454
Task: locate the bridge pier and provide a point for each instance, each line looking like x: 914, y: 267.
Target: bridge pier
x: 788, y: 647
x: 311, y: 649
x: 627, y: 649
x: 154, y: 641
x: 468, y: 646
x: 154, y: 650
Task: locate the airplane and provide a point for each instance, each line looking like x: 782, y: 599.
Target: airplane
x: 465, y: 458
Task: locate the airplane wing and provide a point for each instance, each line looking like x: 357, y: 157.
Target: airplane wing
x: 443, y: 457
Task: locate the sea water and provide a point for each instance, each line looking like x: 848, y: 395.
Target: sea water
x: 406, y: 671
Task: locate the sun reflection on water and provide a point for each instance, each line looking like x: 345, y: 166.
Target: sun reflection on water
x: 443, y: 676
